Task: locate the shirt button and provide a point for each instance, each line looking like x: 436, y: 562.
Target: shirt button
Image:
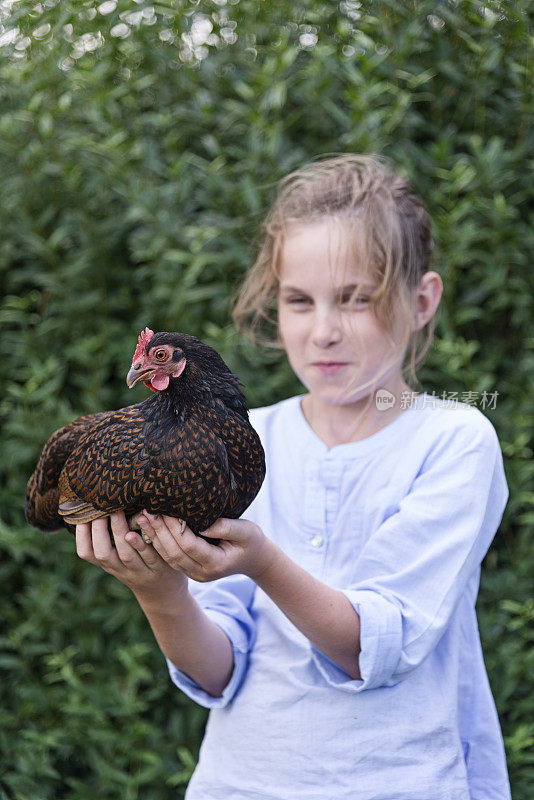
x: 317, y: 540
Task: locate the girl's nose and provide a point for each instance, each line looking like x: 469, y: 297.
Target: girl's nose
x: 326, y: 330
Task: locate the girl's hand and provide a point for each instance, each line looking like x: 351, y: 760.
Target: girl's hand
x: 243, y: 547
x: 132, y: 561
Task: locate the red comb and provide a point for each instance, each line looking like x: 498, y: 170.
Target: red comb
x: 144, y: 338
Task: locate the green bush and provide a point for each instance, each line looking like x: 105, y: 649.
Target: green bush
x: 139, y: 149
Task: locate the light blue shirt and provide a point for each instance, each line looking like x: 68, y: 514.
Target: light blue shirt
x: 399, y: 522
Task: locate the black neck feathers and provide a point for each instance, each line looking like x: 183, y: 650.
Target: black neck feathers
x: 206, y: 376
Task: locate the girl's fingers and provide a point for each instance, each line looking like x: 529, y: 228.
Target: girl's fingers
x: 102, y: 546
x: 232, y: 530
x: 147, y: 552
x: 224, y: 528
x: 94, y: 544
x: 149, y: 537
x: 84, y: 542
x: 179, y: 561
x: 155, y: 526
x: 128, y: 544
x: 196, y: 548
x: 170, y: 543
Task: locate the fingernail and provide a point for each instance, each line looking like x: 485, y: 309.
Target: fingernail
x: 142, y: 521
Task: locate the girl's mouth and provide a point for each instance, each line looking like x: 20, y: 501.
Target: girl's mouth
x: 330, y: 367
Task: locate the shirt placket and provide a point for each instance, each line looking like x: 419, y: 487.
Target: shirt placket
x: 319, y: 513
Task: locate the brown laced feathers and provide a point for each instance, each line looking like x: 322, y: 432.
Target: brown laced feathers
x: 187, y: 451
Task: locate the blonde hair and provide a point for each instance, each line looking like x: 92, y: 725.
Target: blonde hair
x: 388, y: 229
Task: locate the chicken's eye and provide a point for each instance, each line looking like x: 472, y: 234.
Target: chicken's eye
x: 160, y: 355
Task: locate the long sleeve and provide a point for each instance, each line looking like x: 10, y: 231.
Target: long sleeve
x: 414, y: 568
x: 227, y: 603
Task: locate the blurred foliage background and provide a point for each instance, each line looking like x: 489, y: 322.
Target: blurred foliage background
x: 139, y: 148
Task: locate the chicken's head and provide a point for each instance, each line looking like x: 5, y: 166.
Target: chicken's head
x: 156, y: 360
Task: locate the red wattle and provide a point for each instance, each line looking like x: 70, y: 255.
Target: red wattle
x: 159, y: 382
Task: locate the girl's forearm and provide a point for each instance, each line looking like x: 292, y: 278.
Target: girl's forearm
x: 324, y: 615
x: 194, y: 644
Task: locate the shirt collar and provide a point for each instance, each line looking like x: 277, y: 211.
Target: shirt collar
x: 298, y: 424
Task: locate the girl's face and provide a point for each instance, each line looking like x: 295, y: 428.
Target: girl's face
x: 336, y: 348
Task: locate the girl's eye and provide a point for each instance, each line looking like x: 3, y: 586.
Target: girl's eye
x: 349, y: 300
x: 298, y: 301
x: 160, y: 355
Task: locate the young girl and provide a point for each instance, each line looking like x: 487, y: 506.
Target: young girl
x: 333, y: 630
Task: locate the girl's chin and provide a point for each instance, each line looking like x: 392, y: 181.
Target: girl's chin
x: 339, y: 397
x: 340, y: 392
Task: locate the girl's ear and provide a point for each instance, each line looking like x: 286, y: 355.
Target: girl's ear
x: 428, y: 297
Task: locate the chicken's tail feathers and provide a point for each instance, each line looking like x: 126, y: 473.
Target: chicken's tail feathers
x: 77, y: 512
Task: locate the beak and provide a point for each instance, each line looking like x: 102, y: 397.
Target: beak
x: 138, y: 374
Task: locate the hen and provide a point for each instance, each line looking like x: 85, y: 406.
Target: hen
x: 188, y: 451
